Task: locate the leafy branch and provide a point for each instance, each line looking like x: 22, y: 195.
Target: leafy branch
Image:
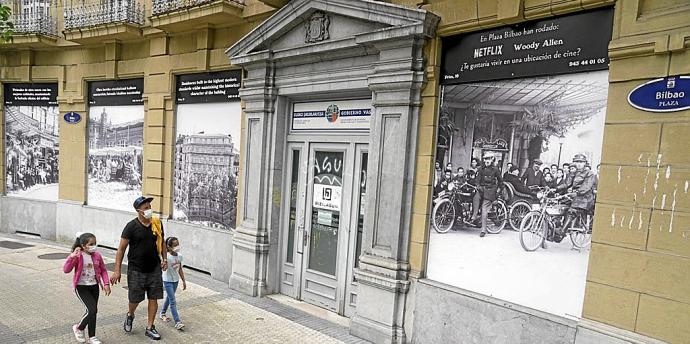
x: 6, y: 26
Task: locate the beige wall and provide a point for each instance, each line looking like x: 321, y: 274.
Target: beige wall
x: 638, y: 280
x: 639, y: 274
x: 155, y: 56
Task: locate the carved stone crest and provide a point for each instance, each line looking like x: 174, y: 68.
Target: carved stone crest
x: 317, y: 27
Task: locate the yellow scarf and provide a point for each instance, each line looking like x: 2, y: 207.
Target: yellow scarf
x: 157, y: 231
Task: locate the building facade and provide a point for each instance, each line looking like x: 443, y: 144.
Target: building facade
x: 351, y: 113
x: 206, y: 179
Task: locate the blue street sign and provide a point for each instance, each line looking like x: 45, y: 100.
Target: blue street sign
x: 662, y: 95
x: 72, y: 117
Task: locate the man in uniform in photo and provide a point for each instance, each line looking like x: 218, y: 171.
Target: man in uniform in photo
x: 583, y: 185
x: 488, y: 180
x: 533, y: 176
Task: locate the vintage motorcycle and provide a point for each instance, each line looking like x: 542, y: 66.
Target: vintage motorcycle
x: 552, y: 220
x: 454, y: 206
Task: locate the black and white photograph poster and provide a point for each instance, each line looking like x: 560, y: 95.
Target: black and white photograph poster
x: 31, y: 140
x: 530, y: 147
x: 207, y: 145
x: 116, y: 135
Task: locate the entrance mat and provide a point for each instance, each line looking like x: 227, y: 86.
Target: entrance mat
x: 13, y: 245
x: 53, y: 256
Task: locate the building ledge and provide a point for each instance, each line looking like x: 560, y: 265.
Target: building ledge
x: 216, y: 12
x: 31, y: 40
x: 275, y: 3
x: 112, y: 31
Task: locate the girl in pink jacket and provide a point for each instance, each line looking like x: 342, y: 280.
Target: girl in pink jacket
x: 89, y: 273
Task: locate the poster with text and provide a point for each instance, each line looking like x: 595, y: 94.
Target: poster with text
x: 116, y: 138
x: 207, y: 153
x: 515, y: 179
x: 31, y: 140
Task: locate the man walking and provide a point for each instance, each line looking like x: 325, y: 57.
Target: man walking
x: 146, y: 259
x: 488, y: 180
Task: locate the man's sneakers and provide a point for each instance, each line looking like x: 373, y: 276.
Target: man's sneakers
x: 79, y: 334
x: 152, y: 333
x: 128, y: 323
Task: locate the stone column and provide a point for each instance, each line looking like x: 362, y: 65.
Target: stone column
x: 251, y: 240
x: 383, y: 271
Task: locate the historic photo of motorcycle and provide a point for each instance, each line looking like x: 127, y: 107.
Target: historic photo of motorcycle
x: 116, y: 135
x: 207, y: 163
x: 514, y: 187
x: 31, y: 147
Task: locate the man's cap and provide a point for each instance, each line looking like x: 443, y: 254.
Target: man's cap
x: 513, y: 168
x: 141, y: 200
x: 580, y: 157
x: 536, y: 162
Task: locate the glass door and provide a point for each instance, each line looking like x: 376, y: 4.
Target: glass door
x: 322, y: 224
x: 326, y: 228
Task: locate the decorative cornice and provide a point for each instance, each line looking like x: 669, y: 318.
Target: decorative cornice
x: 648, y: 45
x: 401, y: 22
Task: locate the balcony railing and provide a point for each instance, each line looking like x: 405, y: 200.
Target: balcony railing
x: 167, y: 6
x: 35, y: 23
x: 114, y: 11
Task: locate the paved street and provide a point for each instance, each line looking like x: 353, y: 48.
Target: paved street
x: 38, y: 306
x: 550, y: 280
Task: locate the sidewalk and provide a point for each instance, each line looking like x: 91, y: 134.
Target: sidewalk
x: 38, y: 306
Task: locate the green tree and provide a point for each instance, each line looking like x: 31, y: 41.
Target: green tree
x: 6, y: 26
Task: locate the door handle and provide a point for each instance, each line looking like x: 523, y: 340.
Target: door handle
x: 300, y: 230
x: 305, y: 237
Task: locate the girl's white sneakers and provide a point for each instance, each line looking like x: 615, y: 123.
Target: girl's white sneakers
x: 79, y: 334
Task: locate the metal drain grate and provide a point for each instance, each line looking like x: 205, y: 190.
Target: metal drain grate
x: 53, y: 256
x: 13, y: 245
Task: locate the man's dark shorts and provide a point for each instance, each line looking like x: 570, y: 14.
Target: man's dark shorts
x: 140, y: 284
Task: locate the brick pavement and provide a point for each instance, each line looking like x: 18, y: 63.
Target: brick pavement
x: 39, y: 306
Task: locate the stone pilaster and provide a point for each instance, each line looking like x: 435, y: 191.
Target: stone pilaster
x: 251, y: 241
x: 383, y: 272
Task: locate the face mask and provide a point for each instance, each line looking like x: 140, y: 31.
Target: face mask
x: 176, y: 249
x: 148, y: 213
x: 91, y: 249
